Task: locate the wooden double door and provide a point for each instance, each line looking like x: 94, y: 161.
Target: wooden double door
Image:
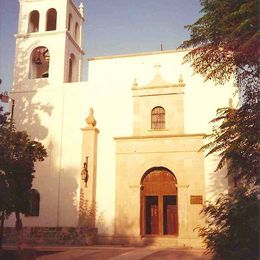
x: 159, y: 211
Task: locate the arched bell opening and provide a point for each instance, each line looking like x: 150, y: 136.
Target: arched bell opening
x: 39, y: 63
x: 76, y: 33
x: 33, y: 25
x: 159, y: 202
x: 72, y: 68
x: 51, y: 19
x: 69, y: 22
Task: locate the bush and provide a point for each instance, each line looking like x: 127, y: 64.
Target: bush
x: 232, y: 226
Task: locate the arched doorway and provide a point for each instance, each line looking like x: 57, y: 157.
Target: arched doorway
x: 159, y: 209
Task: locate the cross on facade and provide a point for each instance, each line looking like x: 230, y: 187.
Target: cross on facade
x: 157, y: 66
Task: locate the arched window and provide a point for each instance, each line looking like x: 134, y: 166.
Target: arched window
x: 69, y: 22
x: 39, y: 63
x: 51, y: 18
x: 76, y: 33
x: 158, y: 118
x: 72, y: 68
x: 34, y: 203
x: 33, y: 25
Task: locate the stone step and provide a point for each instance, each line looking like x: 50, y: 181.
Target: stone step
x: 161, y: 241
x: 165, y: 241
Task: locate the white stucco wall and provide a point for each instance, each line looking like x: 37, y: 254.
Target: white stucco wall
x: 53, y: 112
x: 111, y: 80
x: 54, y: 115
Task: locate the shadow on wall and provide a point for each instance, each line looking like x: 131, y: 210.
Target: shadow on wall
x: 60, y: 204
x: 26, y: 112
x: 58, y: 199
x: 217, y: 181
x: 67, y: 198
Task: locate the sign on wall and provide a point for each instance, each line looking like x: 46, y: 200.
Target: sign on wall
x: 196, y: 199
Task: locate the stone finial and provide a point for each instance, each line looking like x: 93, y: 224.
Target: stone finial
x: 135, y: 83
x: 180, y: 79
x: 90, y: 120
x: 81, y: 9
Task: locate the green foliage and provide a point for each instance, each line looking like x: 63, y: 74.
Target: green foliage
x: 3, y: 116
x: 87, y: 214
x: 18, y: 155
x: 224, y: 39
x: 4, y: 199
x: 237, y: 140
x: 225, y: 42
x: 232, y: 226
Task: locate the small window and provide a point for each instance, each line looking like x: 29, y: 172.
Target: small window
x: 69, y: 23
x: 51, y: 18
x: 158, y: 118
x: 34, y: 203
x: 33, y: 25
x: 39, y: 63
x: 76, y: 35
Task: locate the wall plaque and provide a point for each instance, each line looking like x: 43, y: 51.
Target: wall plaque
x: 196, y: 199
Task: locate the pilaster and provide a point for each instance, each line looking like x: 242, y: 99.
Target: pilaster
x: 87, y: 212
x: 183, y: 200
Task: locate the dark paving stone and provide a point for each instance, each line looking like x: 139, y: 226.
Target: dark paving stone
x: 25, y: 254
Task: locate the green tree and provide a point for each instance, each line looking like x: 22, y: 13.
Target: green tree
x: 225, y: 45
x: 237, y: 140
x: 4, y: 201
x: 18, y: 155
x: 225, y: 39
x: 225, y: 42
x: 230, y: 222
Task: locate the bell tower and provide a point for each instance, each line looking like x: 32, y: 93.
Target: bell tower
x: 48, y: 57
x: 48, y: 43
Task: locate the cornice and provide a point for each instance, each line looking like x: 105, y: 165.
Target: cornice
x: 137, y: 54
x: 198, y: 135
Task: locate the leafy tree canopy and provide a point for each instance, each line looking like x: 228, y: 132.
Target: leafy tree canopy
x: 18, y: 155
x: 224, y: 39
x: 225, y: 44
x: 232, y: 226
x: 237, y: 141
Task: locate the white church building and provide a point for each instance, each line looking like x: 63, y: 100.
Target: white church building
x: 123, y: 147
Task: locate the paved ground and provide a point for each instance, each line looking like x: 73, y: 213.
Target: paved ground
x: 126, y: 253
x: 103, y: 253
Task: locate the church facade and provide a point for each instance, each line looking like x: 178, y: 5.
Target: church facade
x: 124, y: 147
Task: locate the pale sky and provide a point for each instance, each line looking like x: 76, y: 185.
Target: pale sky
x: 111, y: 27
